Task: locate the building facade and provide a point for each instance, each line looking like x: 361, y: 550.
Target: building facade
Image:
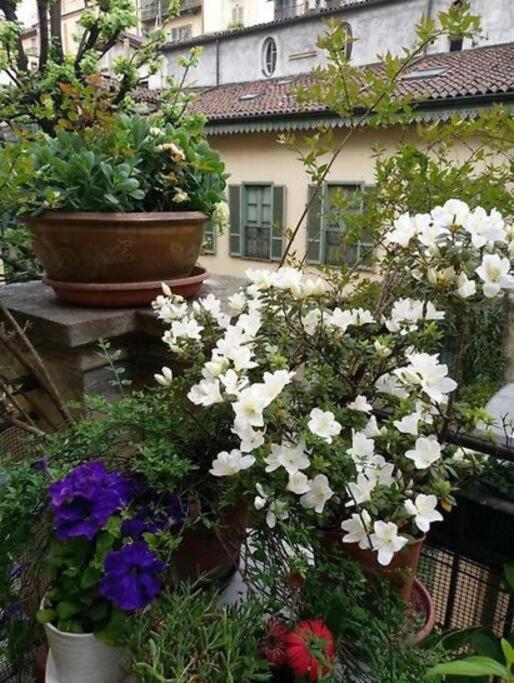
x: 244, y: 83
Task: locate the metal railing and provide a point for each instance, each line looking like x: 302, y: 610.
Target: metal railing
x: 159, y: 8
x: 289, y: 9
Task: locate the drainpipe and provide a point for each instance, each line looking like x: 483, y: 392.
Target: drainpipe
x: 217, y: 61
x: 429, y: 12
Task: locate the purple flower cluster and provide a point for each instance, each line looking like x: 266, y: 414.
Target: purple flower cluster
x: 168, y: 512
x: 131, y: 579
x: 83, y: 501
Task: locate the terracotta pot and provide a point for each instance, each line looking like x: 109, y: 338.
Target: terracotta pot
x: 213, y: 553
x: 422, y: 602
x: 401, y: 571
x: 117, y: 247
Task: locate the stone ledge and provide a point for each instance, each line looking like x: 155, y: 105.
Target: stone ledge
x: 55, y: 323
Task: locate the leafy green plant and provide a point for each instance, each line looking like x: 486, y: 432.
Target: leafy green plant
x: 492, y: 656
x: 126, y: 164
x: 187, y: 636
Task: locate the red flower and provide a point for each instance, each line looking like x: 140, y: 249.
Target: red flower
x: 310, y: 649
x: 273, y: 646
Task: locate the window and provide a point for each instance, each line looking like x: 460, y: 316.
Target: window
x: 269, y: 56
x: 348, y: 41
x: 256, y: 220
x: 286, y: 9
x: 326, y: 225
x: 237, y: 15
x: 181, y: 33
x: 209, y: 239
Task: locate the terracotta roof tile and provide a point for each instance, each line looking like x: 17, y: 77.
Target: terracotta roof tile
x: 439, y: 77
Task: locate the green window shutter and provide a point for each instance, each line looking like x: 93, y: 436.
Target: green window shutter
x: 277, y: 231
x: 209, y: 239
x: 314, y: 226
x: 234, y: 203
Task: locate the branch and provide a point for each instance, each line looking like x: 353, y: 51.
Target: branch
x: 9, y: 10
x: 56, y: 31
x: 42, y: 11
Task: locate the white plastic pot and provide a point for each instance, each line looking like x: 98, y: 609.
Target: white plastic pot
x: 81, y: 658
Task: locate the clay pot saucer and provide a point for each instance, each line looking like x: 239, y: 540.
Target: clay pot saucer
x: 124, y: 294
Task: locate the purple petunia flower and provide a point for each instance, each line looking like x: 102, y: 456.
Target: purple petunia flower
x: 83, y: 501
x: 151, y: 518
x: 131, y: 576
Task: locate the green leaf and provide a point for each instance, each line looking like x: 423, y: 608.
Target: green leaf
x: 66, y: 609
x: 508, y: 570
x: 90, y: 577
x: 471, y: 666
x: 46, y: 616
x: 508, y: 652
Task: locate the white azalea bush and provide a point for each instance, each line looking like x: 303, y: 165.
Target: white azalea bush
x: 327, y: 402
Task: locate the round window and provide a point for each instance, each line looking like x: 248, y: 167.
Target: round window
x: 269, y: 56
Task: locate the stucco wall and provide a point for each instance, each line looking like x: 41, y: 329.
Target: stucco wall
x: 377, y: 28
x: 260, y: 158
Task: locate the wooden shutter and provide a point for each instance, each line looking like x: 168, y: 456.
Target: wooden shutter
x: 314, y: 226
x: 234, y: 203
x: 277, y: 228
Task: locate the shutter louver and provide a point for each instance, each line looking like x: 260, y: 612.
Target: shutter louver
x: 234, y: 203
x: 314, y: 226
x: 277, y: 229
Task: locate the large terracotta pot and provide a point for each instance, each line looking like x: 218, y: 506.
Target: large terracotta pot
x: 117, y: 247
x: 211, y: 553
x: 401, y: 571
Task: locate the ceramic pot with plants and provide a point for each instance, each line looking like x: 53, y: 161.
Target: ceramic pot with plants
x: 117, y: 209
x: 105, y: 568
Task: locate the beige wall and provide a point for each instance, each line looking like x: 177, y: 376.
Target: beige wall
x: 260, y: 158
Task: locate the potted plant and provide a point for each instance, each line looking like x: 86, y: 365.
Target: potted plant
x: 119, y: 207
x: 105, y: 564
x: 342, y: 411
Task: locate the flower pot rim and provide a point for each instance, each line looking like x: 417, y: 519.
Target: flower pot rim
x: 118, y: 216
x: 69, y: 635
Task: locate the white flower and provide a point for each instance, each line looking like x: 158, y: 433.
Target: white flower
x: 441, y: 277
x: 250, y: 438
x: 293, y: 458
x: 274, y: 383
x: 237, y: 302
x: 360, y: 404
x: 249, y: 407
x: 319, y: 493
x: 361, y: 317
x: 249, y: 324
x: 382, y: 350
x: 205, y: 393
x: 357, y: 528
x: 465, y: 286
x: 340, y: 319
x: 408, y: 424
x: 156, y: 131
x: 298, y: 483
x: 190, y: 329
x: 360, y: 490
x: 389, y: 384
x: 166, y: 378
x: 323, y: 424
x: 228, y: 464
x: 215, y: 367
x: 260, y: 276
x: 287, y: 278
x: 315, y: 288
x: 180, y: 197
x: 423, y: 509
x: 425, y: 370
x: 426, y: 452
x: 176, y: 153
x: 386, y: 541
x: 372, y: 430
x: 494, y: 273
x: 210, y: 304
x: 404, y: 230
x: 380, y: 471
x: 277, y: 509
x: 485, y: 229
x: 432, y: 235
x: 232, y: 383
x: 311, y: 321
x: 272, y: 460
x: 362, y: 448
x: 453, y: 211
x: 221, y: 215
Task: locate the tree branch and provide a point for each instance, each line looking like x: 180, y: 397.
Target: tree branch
x: 56, y: 31
x: 42, y: 11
